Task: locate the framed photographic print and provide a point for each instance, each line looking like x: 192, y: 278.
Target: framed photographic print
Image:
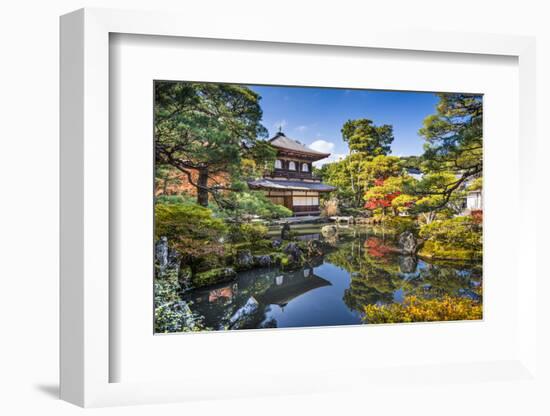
x: 293, y: 202
x: 358, y: 222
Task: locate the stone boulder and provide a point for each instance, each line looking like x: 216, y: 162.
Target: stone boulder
x: 408, y: 243
x: 168, y: 260
x: 276, y: 243
x: 285, y: 231
x: 244, y: 260
x: 407, y: 264
x: 263, y: 261
x: 329, y: 230
x: 294, y: 252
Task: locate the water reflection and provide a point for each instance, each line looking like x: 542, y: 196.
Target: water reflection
x: 357, y: 270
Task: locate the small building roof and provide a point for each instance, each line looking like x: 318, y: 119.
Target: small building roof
x: 282, y: 142
x: 291, y: 185
x: 415, y: 173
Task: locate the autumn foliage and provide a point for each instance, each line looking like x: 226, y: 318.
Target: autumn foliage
x: 376, y: 247
x: 415, y: 309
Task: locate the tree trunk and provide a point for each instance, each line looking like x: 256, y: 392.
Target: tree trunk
x: 202, y: 189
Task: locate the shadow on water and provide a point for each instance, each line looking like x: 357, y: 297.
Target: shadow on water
x: 358, y: 269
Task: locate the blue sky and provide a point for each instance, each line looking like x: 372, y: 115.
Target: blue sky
x: 315, y: 115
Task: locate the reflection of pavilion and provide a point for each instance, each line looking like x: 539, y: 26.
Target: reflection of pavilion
x: 290, y: 286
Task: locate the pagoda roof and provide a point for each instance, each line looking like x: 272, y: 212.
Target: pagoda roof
x: 292, y: 287
x: 291, y: 185
x: 280, y: 141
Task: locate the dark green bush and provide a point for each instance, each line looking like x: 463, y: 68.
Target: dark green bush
x: 214, y: 276
x: 247, y: 233
x: 191, y: 230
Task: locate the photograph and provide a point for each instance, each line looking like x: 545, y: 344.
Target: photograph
x: 289, y: 206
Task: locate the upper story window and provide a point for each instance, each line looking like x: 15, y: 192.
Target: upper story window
x: 305, y: 167
x: 278, y: 164
x: 291, y: 166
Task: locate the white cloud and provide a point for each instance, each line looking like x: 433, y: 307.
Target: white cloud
x: 322, y: 146
x: 326, y: 147
x: 281, y: 124
x: 332, y: 158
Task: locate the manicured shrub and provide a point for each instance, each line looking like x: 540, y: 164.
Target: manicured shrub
x: 399, y: 225
x: 415, y: 309
x: 454, y: 238
x: 248, y: 204
x: 247, y: 233
x: 191, y: 230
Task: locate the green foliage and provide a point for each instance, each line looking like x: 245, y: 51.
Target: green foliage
x: 475, y: 185
x: 166, y: 289
x: 454, y: 140
x: 356, y: 174
x: 171, y: 314
x: 250, y: 203
x: 453, y: 238
x: 390, y: 193
x: 455, y: 279
x: 411, y: 161
x: 191, y: 230
x: 338, y: 174
x: 164, y: 177
x: 379, y: 167
x: 403, y: 203
x: 399, y: 225
x: 432, y: 197
x: 209, y: 129
x: 177, y: 317
x: 364, y: 137
x: 212, y: 277
x: 174, y: 199
x: 248, y: 233
x: 416, y: 309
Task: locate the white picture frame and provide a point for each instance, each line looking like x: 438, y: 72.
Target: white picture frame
x: 85, y: 216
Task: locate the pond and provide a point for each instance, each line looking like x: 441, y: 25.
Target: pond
x: 358, y: 269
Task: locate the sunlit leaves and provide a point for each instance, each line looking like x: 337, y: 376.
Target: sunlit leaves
x: 415, y: 309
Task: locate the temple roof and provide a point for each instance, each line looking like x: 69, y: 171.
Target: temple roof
x: 291, y: 185
x: 282, y: 142
x: 292, y: 287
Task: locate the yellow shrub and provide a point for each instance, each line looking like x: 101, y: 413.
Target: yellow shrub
x: 415, y: 309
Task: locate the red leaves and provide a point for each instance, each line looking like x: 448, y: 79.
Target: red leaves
x: 477, y: 216
x: 376, y: 248
x: 384, y: 202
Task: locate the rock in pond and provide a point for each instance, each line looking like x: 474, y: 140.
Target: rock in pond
x: 329, y: 230
x: 407, y: 264
x: 241, y: 318
x: 408, y: 243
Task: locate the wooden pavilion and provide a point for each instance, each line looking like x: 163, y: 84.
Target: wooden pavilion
x: 292, y: 183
